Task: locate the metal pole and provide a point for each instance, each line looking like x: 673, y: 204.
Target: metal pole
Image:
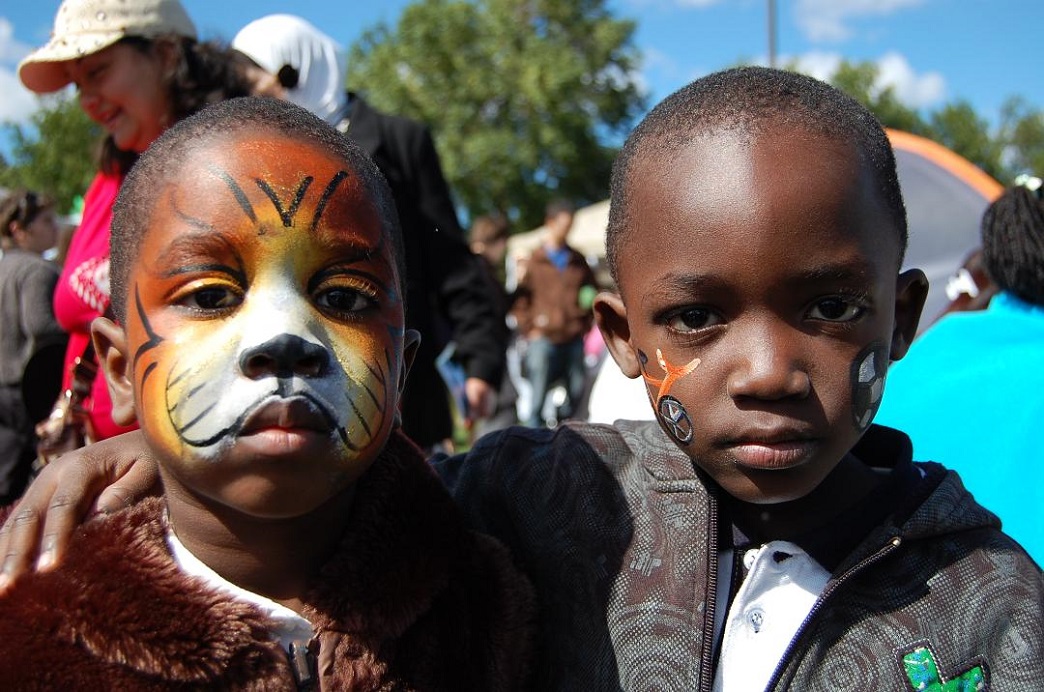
x: 772, y: 32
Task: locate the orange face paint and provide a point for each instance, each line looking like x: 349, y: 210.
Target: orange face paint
x: 670, y: 410
x: 265, y: 322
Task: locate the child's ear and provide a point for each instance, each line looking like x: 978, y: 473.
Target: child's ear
x: 110, y: 345
x: 911, y: 290
x: 611, y: 318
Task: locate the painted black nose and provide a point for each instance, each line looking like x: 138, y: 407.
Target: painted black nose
x: 284, y: 356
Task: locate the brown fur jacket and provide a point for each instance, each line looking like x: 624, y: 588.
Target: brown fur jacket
x: 411, y: 600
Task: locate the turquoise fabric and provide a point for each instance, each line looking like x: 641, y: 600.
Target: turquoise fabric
x: 970, y: 394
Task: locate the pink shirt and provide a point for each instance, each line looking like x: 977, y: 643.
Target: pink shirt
x: 82, y: 292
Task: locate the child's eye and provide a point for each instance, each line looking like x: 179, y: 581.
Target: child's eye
x: 836, y: 310
x: 212, y: 298
x: 344, y: 300
x: 692, y: 319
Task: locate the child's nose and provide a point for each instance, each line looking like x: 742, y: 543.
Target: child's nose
x: 286, y: 355
x: 769, y: 371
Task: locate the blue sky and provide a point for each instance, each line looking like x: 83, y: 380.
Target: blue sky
x: 931, y: 51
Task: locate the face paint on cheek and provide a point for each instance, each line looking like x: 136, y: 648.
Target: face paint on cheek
x: 372, y: 384
x: 867, y: 376
x: 672, y: 413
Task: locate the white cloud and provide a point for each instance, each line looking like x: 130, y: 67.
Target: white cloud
x: 822, y: 66
x: 827, y: 20
x: 893, y: 70
x: 911, y: 88
x: 11, y: 49
x: 17, y: 102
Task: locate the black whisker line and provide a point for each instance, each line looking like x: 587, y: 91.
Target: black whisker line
x: 331, y: 187
x: 237, y: 424
x: 198, y: 418
x: 359, y: 415
x: 341, y: 431
x: 179, y: 378
x: 376, y: 372
x: 237, y: 192
x: 194, y: 391
x: 372, y: 396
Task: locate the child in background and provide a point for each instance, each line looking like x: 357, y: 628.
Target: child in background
x: 762, y: 533
x: 968, y: 394
x: 300, y: 541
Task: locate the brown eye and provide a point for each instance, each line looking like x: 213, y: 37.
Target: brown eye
x: 212, y: 298
x: 692, y: 319
x: 836, y: 310
x: 344, y: 300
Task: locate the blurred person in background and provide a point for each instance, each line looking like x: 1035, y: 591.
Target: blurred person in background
x: 28, y: 228
x: 968, y: 391
x: 447, y: 293
x: 488, y: 238
x: 553, y: 311
x: 138, y: 68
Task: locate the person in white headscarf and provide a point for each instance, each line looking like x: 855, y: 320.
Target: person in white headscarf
x: 307, y: 64
x: 448, y: 297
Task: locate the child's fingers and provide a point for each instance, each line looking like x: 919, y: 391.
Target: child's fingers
x: 133, y: 480
x: 99, y: 478
x: 20, y: 535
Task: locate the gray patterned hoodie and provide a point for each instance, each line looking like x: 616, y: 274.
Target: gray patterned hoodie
x: 619, y: 534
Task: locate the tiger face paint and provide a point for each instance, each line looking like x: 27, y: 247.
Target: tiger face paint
x: 265, y: 326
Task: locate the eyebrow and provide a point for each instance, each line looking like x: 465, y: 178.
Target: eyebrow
x: 190, y: 251
x: 856, y: 270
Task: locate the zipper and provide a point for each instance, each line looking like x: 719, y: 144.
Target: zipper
x: 892, y: 545
x: 706, y: 680
x: 303, y: 657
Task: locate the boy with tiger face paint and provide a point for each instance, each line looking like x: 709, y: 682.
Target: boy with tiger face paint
x: 300, y: 540
x: 264, y: 326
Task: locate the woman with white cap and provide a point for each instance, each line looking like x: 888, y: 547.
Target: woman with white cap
x: 138, y: 68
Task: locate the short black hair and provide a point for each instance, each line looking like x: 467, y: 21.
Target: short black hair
x: 749, y: 99
x: 1013, y: 243
x: 164, y: 159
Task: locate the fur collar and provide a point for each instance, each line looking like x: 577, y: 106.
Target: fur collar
x: 119, y: 600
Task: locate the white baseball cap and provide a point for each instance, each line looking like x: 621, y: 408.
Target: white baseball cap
x: 83, y: 27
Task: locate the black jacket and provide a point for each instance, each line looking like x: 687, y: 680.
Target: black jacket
x: 447, y: 293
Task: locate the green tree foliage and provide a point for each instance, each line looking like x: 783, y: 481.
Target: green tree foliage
x: 1022, y: 135
x: 1016, y: 146
x: 524, y: 97
x: 957, y: 126
x: 54, y: 153
x: 858, y: 80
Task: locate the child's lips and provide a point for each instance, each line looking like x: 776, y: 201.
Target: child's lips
x: 294, y: 413
x: 771, y: 451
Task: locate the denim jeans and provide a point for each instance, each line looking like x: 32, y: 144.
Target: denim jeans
x: 548, y: 363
